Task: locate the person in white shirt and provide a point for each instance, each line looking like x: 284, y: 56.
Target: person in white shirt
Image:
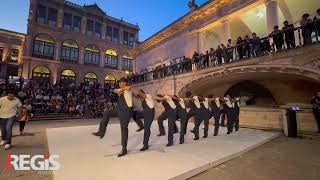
x: 168, y: 113
x: 9, y: 108
x: 148, y: 114
x: 215, y: 112
x: 182, y: 114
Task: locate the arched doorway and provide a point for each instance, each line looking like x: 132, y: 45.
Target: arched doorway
x: 109, y: 79
x: 68, y: 76
x: 90, y: 77
x: 41, y: 74
x: 252, y: 94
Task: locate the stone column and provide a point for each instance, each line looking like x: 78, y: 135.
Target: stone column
x: 119, y: 61
x: 101, y: 61
x: 103, y: 31
x: 57, y: 52
x: 60, y: 18
x: 27, y: 46
x: 271, y: 14
x: 84, y: 25
x: 121, y: 35
x: 225, y: 31
x: 81, y: 55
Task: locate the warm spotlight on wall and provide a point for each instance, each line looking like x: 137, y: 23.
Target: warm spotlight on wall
x: 260, y: 14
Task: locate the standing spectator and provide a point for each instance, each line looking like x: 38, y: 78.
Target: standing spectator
x: 288, y: 30
x: 229, y: 51
x: 240, y: 47
x: 218, y: 53
x: 224, y: 53
x: 195, y: 59
x: 256, y: 51
x: 316, y: 20
x: 316, y: 109
x: 23, y: 119
x: 306, y: 25
x: 277, y: 37
x: 247, y: 46
x: 9, y: 107
x: 206, y: 59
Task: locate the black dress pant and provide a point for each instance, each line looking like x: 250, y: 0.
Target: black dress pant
x: 124, y: 116
x: 105, y: 121
x: 163, y: 116
x: 316, y: 113
x: 148, y: 119
x: 230, y: 120
x: 137, y: 116
x: 236, y: 118
x: 22, y: 125
x: 216, y: 116
x: 182, y: 115
x: 206, y: 117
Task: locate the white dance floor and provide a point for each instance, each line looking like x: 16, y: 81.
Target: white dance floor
x: 85, y: 157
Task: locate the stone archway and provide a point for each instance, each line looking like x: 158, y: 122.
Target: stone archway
x: 252, y: 94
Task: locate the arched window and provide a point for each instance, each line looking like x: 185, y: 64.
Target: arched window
x: 92, y: 55
x: 41, y: 72
x: 89, y: 77
x: 111, y: 58
x: 69, y: 51
x: 43, y: 47
x: 109, y: 78
x: 68, y: 75
x: 127, y: 62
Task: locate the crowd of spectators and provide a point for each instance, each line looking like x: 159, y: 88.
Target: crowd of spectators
x: 243, y: 48
x: 87, y: 99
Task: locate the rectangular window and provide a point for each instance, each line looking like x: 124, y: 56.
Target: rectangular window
x: 76, y: 23
x: 67, y: 21
x: 109, y: 33
x: 131, y: 39
x: 97, y: 30
x: 91, y: 57
x: 125, y: 38
x: 52, y: 17
x: 127, y: 64
x: 1, y: 53
x: 116, y: 35
x: 90, y: 27
x: 14, y: 55
x: 41, y: 14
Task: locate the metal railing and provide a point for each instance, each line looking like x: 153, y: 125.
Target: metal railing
x: 275, y: 42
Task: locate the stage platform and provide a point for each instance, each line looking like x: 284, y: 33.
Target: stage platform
x: 85, y: 157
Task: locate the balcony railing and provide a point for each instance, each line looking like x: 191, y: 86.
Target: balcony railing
x: 42, y: 56
x: 248, y: 49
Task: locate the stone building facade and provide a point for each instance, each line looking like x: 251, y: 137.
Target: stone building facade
x: 11, y: 52
x: 73, y: 43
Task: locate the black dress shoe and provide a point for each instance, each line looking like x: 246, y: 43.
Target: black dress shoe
x: 169, y: 144
x: 196, y: 139
x: 97, y: 134
x: 161, y: 135
x: 181, y: 141
x: 204, y: 136
x: 215, y: 135
x: 140, y: 129
x: 144, y: 148
x: 122, y: 153
x: 228, y: 132
x: 192, y: 131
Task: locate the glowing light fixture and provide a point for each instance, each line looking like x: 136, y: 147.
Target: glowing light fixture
x: 260, y: 14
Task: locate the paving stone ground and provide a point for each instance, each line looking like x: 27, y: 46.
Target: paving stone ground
x: 280, y: 159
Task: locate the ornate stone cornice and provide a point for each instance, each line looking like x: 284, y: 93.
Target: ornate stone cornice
x: 204, y: 11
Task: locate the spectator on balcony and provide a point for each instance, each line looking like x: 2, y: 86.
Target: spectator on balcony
x: 195, y: 59
x: 256, y: 42
x: 218, y: 53
x: 229, y: 51
x: 288, y: 30
x: 277, y: 37
x: 206, y: 59
x: 240, y: 47
x: 211, y: 57
x: 247, y: 46
x: 316, y: 20
x: 201, y: 61
x: 224, y: 53
x: 306, y: 25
